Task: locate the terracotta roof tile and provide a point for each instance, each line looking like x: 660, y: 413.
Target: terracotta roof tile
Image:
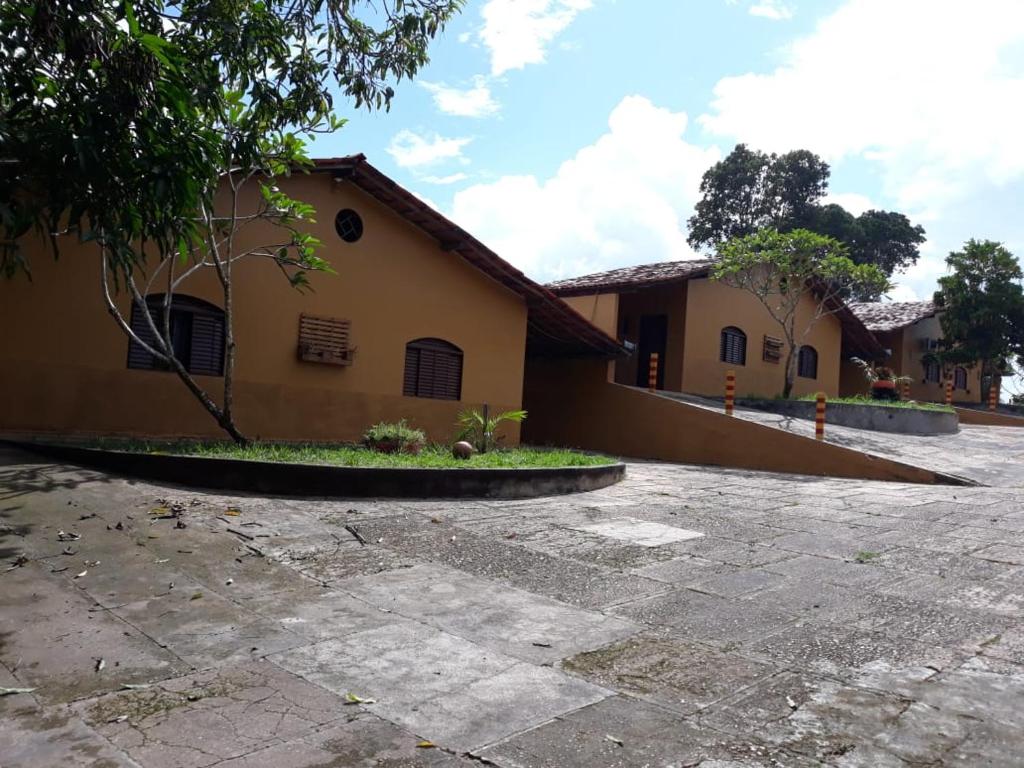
x: 639, y: 276
x: 883, y: 316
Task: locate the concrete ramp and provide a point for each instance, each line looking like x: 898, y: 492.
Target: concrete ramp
x: 978, y: 417
x: 571, y: 402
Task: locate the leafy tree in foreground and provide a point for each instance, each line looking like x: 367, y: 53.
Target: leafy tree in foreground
x: 785, y: 269
x: 982, y: 305
x: 751, y: 190
x: 120, y: 122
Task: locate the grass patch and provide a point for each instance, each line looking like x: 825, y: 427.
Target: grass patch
x: 864, y: 557
x: 430, y: 457
x: 865, y: 400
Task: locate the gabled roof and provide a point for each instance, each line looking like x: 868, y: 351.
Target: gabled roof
x: 857, y: 339
x: 884, y: 316
x: 632, y: 278
x: 553, y: 327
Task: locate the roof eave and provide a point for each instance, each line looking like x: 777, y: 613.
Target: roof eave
x: 552, y: 324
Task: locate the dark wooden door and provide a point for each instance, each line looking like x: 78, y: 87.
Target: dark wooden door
x: 653, y: 334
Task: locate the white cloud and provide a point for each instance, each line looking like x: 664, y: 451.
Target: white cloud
x: 517, y: 32
x: 776, y: 10
x: 476, y: 101
x: 920, y: 280
x: 622, y: 200
x: 925, y: 89
x: 853, y: 202
x: 452, y: 178
x: 410, y: 150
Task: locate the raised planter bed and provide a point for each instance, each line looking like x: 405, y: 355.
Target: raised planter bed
x: 320, y: 480
x: 879, y: 418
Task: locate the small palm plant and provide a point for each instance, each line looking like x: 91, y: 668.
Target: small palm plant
x: 478, y: 426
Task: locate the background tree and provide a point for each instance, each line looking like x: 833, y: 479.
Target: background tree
x: 982, y: 305
x: 750, y: 190
x: 785, y: 270
x: 121, y: 121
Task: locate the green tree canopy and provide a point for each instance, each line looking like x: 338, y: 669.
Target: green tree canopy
x: 751, y: 190
x: 982, y: 305
x: 784, y: 270
x: 118, y: 117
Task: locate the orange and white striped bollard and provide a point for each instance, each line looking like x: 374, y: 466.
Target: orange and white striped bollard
x: 993, y: 397
x: 906, y: 390
x: 730, y: 392
x: 949, y: 391
x: 652, y: 372
x: 819, y: 418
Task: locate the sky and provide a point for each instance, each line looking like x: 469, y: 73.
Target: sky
x: 571, y: 135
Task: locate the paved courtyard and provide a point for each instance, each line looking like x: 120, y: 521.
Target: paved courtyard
x: 687, y: 616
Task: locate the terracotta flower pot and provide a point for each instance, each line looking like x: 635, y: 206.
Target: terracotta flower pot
x: 884, y: 389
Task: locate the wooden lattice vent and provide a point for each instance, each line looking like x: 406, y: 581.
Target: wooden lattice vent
x: 772, y: 349
x: 325, y: 340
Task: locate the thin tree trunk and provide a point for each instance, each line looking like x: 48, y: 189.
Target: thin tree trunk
x: 223, y: 419
x: 790, y: 373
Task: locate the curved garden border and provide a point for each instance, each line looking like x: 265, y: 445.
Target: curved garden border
x: 321, y: 480
x: 880, y: 418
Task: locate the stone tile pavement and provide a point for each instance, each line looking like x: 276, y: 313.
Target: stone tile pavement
x: 812, y: 622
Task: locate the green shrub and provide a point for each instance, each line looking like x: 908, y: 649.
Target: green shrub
x: 479, y: 427
x: 396, y: 437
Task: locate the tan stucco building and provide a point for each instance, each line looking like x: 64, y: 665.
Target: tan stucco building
x: 701, y: 329
x: 908, y: 331
x: 420, y: 321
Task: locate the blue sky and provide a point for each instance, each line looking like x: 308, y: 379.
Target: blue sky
x: 571, y: 135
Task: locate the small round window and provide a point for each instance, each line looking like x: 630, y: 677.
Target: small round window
x: 349, y: 225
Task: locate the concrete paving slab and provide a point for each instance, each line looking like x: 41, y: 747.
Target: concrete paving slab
x: 362, y: 741
x: 741, y: 582
x: 400, y: 666
x: 202, y: 719
x: 439, y: 686
x: 493, y: 708
x: 204, y: 628
x: 641, y: 532
x: 318, y: 613
x: 510, y: 621
x: 53, y: 638
x: 708, y: 618
x: 38, y: 738
x: 668, y: 671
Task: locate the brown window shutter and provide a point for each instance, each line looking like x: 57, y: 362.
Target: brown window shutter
x: 733, y: 346
x: 138, y: 357
x: 433, y: 368
x: 206, y: 356
x: 807, y: 363
x: 197, y: 332
x: 772, y: 349
x: 324, y: 340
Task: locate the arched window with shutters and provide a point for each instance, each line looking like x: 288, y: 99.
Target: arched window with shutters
x: 960, y: 378
x: 197, y: 335
x: 433, y: 368
x: 807, y: 363
x: 733, y: 346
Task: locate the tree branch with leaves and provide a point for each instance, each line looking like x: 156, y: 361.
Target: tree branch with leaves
x: 785, y: 271
x: 137, y: 124
x: 981, y: 305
